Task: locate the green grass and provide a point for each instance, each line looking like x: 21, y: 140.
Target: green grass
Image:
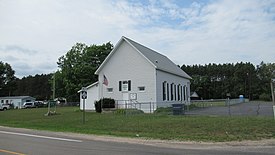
x: 155, y: 126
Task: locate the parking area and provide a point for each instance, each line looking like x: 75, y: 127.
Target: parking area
x: 254, y: 108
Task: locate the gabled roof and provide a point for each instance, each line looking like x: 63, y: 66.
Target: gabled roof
x: 90, y: 86
x: 158, y: 60
x: 16, y: 97
x: 194, y: 94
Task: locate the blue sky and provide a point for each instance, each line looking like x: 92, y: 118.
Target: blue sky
x: 34, y: 34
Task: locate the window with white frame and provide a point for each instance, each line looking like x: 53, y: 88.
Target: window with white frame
x: 184, y: 93
x: 109, y: 90
x: 141, y: 88
x: 125, y: 85
x: 172, y: 94
x: 167, y: 91
x: 175, y: 93
x: 181, y: 93
x: 178, y: 92
x: 164, y: 90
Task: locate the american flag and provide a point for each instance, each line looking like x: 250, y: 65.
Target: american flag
x: 105, y: 81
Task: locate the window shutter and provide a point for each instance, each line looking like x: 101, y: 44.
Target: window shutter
x: 129, y: 85
x: 120, y: 85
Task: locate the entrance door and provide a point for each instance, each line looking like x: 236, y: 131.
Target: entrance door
x: 125, y: 97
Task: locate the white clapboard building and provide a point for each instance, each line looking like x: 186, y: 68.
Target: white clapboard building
x: 138, y: 77
x: 16, y: 101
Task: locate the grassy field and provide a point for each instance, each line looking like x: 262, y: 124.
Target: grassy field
x: 157, y: 126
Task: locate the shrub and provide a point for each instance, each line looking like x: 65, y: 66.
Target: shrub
x: 98, y: 106
x: 107, y: 103
x: 265, y: 97
x: 120, y: 111
x: 128, y: 111
x: 163, y: 110
x: 191, y: 106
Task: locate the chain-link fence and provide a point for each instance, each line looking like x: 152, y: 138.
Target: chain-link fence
x: 222, y: 107
x: 231, y: 108
x: 146, y: 107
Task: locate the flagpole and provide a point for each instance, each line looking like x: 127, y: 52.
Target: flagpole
x: 102, y: 93
x: 105, y: 82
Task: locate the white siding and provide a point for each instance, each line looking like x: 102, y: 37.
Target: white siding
x: 16, y: 101
x: 128, y: 64
x: 92, y: 96
x: 176, y: 80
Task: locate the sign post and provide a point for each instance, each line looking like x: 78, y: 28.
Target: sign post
x: 228, y: 95
x: 273, y: 95
x: 84, y: 97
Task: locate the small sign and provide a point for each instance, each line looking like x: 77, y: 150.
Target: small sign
x: 133, y: 96
x: 84, y: 93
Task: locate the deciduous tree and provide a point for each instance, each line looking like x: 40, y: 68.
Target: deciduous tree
x: 77, y: 68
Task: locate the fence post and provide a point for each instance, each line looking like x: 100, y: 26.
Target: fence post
x: 273, y: 96
x: 258, y: 109
x: 228, y: 103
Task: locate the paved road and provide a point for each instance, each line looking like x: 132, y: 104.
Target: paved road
x: 254, y: 108
x: 22, y: 141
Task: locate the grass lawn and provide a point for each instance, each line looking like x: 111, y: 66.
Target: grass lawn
x: 155, y: 126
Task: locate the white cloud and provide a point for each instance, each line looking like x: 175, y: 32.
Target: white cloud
x: 219, y: 31
x: 224, y: 31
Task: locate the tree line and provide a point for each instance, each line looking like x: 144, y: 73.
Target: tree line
x: 37, y: 86
x: 76, y: 70
x: 216, y: 81
x: 77, y: 67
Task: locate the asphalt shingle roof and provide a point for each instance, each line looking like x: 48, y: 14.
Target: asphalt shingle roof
x: 15, y: 97
x: 160, y: 61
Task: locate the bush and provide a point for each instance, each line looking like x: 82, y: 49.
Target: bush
x: 163, y: 110
x: 98, y: 106
x: 107, y: 103
x: 120, y: 111
x: 265, y: 97
x: 128, y: 111
x: 191, y: 106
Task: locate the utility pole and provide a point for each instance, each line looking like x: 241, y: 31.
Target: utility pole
x: 53, y: 86
x: 272, y: 93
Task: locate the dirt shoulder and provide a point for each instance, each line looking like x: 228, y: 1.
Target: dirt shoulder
x: 178, y: 144
x: 265, y: 143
